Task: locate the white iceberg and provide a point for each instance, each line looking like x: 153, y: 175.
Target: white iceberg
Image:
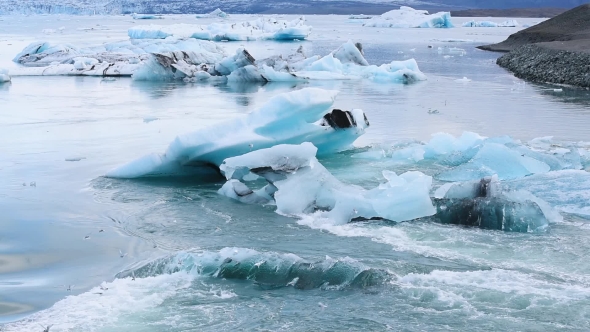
x: 407, y: 17
x: 300, y: 184
x: 111, y: 59
x: 4, y: 77
x: 146, y: 16
x: 490, y: 24
x: 290, y: 118
x: 260, y: 29
x: 216, y: 13
x: 196, y: 60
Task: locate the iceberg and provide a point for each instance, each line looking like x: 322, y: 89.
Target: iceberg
x: 216, y: 13
x: 490, y: 24
x: 111, y: 59
x: 407, y: 17
x: 486, y: 205
x: 299, y: 184
x: 471, y: 156
x: 345, y: 63
x: 289, y: 118
x: 4, y: 77
x: 196, y: 60
x: 260, y: 29
x: 146, y: 16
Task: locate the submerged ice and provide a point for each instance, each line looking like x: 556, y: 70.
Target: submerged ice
x: 407, y: 17
x: 289, y: 118
x: 260, y: 29
x: 299, y: 184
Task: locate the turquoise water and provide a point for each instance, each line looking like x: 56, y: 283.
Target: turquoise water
x: 197, y: 261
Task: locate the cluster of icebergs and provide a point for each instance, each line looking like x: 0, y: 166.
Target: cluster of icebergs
x: 193, y: 60
x: 490, y: 24
x: 278, y: 144
x: 260, y: 29
x: 407, y: 17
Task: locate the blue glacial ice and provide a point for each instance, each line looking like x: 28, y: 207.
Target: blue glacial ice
x: 472, y: 157
x: 299, y: 184
x: 490, y: 24
x: 488, y: 204
x: 289, y: 118
x: 4, y: 77
x: 260, y: 29
x: 407, y: 17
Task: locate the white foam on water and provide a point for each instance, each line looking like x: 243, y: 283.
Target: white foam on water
x: 97, y: 307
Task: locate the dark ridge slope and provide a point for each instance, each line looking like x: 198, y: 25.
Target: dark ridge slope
x: 570, y: 26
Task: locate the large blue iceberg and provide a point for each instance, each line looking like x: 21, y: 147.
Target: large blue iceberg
x: 290, y: 118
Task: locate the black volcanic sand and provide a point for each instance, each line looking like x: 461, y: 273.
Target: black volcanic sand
x: 572, y: 25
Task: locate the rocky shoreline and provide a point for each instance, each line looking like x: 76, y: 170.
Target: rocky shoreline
x: 539, y: 63
x: 554, y: 51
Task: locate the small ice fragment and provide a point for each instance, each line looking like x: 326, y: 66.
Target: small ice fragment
x: 75, y: 158
x: 149, y: 119
x: 463, y: 80
x: 557, y: 90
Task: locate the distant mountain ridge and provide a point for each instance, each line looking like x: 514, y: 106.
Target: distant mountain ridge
x: 89, y: 7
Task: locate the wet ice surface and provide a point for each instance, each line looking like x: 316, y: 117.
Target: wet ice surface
x: 65, y: 226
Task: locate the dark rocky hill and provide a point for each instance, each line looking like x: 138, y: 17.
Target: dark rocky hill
x: 569, y: 26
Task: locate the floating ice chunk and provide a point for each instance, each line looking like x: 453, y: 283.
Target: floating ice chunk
x: 216, y: 13
x: 484, y: 204
x: 350, y: 53
x: 452, y: 51
x: 463, y: 80
x: 112, y: 59
x: 566, y: 190
x: 147, y: 16
x: 261, y: 29
x: 294, y: 117
x: 407, y: 17
x: 490, y: 24
x: 304, y: 186
x: 4, y: 77
x: 149, y: 119
x: 75, y: 158
x: 359, y: 17
x: 82, y: 63
x: 557, y: 90
x: 494, y: 158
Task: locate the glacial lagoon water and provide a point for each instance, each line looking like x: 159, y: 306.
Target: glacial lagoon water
x: 88, y: 253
